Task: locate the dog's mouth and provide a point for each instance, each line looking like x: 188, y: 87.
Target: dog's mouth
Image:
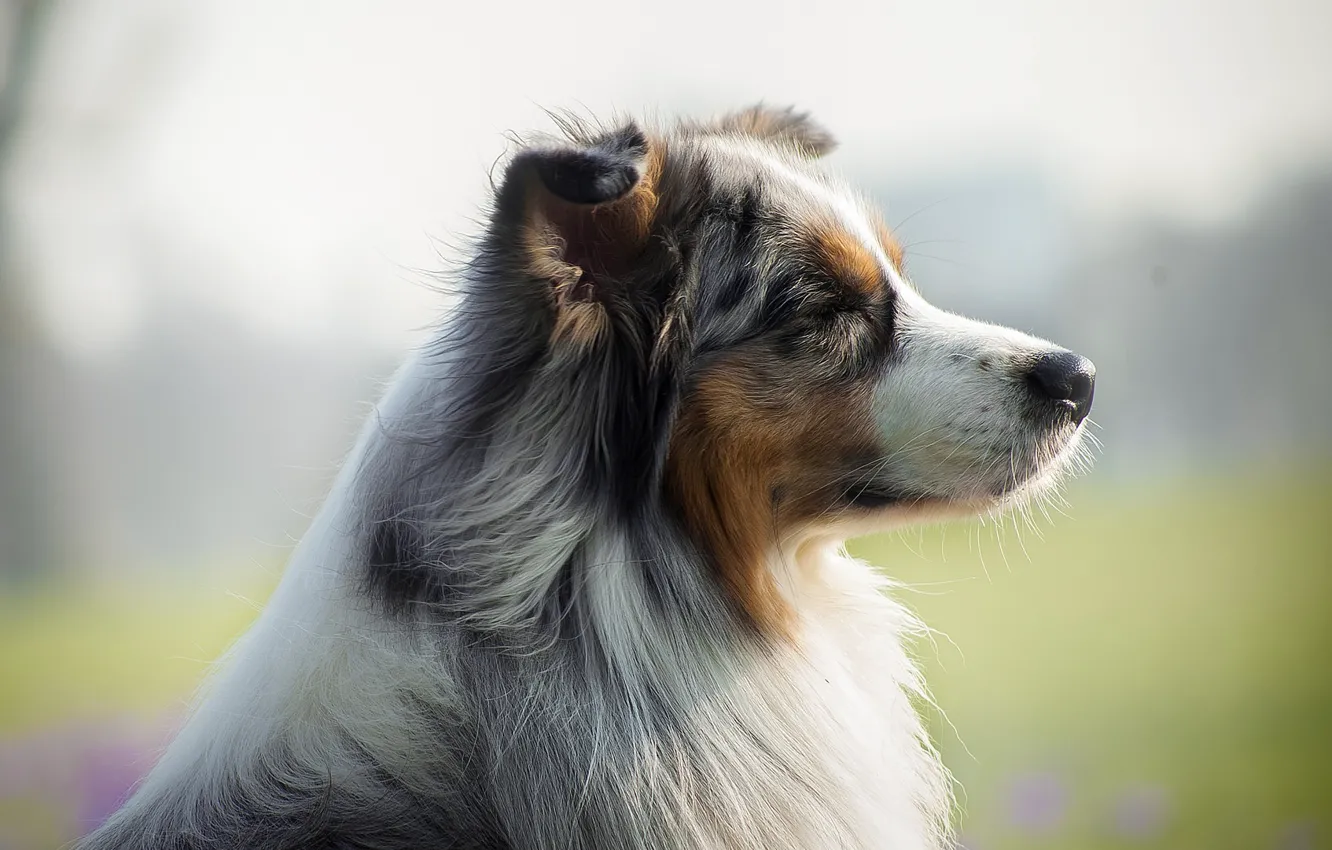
x: 875, y: 495
x: 974, y: 482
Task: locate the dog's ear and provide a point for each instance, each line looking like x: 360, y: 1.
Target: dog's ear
x: 580, y: 215
x: 785, y: 127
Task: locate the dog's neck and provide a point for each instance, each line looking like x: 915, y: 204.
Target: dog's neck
x: 653, y: 701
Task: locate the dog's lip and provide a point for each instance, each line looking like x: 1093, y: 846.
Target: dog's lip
x: 873, y: 495
x: 877, y: 494
x: 880, y: 495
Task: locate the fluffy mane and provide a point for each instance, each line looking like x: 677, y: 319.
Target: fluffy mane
x: 522, y: 620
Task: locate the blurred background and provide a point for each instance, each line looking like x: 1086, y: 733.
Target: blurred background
x: 217, y: 219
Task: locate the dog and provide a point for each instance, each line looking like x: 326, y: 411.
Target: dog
x: 581, y: 582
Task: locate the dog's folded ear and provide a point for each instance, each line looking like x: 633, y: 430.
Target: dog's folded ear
x: 600, y: 174
x: 580, y: 215
x: 783, y: 127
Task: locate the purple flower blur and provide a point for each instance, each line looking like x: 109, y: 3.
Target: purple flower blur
x: 106, y: 776
x: 1142, y: 813
x: 84, y: 770
x: 1298, y: 836
x: 1037, y: 802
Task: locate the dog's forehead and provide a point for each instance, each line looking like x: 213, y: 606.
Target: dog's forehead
x: 808, y: 213
x: 793, y: 185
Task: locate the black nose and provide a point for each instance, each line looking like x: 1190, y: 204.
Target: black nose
x: 1066, y: 377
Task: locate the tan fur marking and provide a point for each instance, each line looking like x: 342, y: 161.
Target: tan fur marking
x: 751, y: 458
x: 846, y: 259
x: 889, y: 243
x: 784, y: 127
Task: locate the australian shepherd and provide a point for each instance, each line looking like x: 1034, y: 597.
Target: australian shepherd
x: 581, y: 584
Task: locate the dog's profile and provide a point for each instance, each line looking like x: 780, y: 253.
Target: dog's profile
x: 581, y: 586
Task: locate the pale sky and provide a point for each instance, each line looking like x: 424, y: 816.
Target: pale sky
x: 306, y: 154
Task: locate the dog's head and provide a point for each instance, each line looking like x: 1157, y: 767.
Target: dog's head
x: 761, y: 361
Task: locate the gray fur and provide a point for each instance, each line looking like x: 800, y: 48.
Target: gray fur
x: 499, y: 634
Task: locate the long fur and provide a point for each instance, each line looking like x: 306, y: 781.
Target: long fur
x: 502, y: 631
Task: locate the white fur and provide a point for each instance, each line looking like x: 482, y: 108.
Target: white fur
x: 700, y: 738
x: 318, y: 654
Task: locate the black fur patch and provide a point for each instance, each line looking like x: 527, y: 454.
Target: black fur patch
x: 595, y: 175
x: 397, y: 572
x: 741, y: 219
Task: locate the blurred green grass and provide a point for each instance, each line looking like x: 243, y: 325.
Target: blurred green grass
x: 135, y: 647
x: 1173, y: 638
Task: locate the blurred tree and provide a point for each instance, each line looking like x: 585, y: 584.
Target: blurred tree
x: 27, y: 544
